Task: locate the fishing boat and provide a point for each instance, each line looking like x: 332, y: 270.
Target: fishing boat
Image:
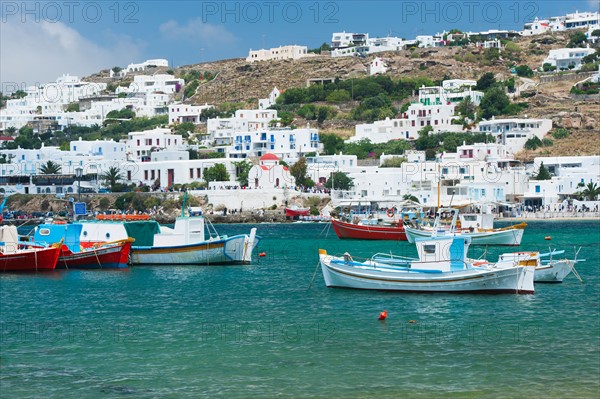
x: 369, y: 229
x: 294, y: 211
x: 442, y: 266
x: 18, y: 256
x: 105, y: 255
x: 375, y: 223
x: 546, y: 270
x: 184, y: 244
x: 479, y: 227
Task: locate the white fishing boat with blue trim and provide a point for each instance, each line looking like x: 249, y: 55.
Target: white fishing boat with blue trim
x: 546, y: 270
x: 442, y: 266
x: 184, y: 244
x: 479, y: 227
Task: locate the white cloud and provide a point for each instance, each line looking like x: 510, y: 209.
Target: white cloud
x: 33, y: 53
x: 199, y: 32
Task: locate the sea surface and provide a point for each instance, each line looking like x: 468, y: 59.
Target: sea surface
x: 259, y: 331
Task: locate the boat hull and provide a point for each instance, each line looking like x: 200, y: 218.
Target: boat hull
x: 30, y: 260
x: 234, y: 250
x: 346, y: 230
x: 554, y: 272
x: 511, y: 280
x: 289, y: 212
x: 509, y: 237
x: 105, y: 257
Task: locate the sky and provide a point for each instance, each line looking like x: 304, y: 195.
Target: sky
x: 41, y: 40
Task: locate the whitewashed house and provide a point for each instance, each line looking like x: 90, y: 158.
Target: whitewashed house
x: 221, y: 131
x: 162, y: 83
x: 285, y: 143
x: 537, y: 27
x: 514, y: 132
x: 569, y: 174
x: 141, y: 144
x: 158, y: 62
x: 567, y: 58
x: 265, y: 103
x: 292, y: 52
x: 377, y: 67
x: 179, y: 112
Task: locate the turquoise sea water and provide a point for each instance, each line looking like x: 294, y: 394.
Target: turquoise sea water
x: 257, y: 331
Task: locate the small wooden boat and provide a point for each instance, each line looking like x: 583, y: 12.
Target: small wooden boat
x: 546, y: 270
x: 368, y: 230
x: 476, y: 226
x: 106, y: 255
x: 442, y: 266
x: 294, y: 211
x: 22, y: 257
x: 184, y: 244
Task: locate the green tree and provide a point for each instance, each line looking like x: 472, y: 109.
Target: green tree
x: 73, y: 107
x: 577, y: 39
x: 543, y: 173
x: 50, y: 168
x: 242, y: 168
x: 524, y: 71
x: 486, y: 81
x: 338, y: 96
x: 533, y: 143
x: 339, y: 181
x: 410, y: 197
x: 466, y: 108
x: 494, y: 102
x: 547, y: 67
x: 332, y: 144
x: 591, y: 192
x: 217, y: 172
x: 298, y: 171
x: 111, y: 177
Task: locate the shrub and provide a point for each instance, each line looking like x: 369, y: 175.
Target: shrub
x: 560, y: 133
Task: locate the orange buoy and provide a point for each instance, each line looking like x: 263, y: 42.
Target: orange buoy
x: 547, y: 238
x: 262, y: 254
x: 383, y: 315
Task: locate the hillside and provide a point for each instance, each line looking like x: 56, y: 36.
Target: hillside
x: 239, y: 81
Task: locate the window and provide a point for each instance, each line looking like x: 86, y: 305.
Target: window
x: 429, y: 249
x: 191, y: 173
x: 537, y: 189
x: 145, y: 175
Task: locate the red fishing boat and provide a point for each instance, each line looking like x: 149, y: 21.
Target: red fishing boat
x: 369, y: 231
x: 295, y: 211
x: 106, y: 255
x: 20, y: 257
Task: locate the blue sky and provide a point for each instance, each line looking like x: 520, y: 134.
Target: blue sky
x: 41, y: 40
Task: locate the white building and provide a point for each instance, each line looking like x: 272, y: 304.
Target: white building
x: 377, y: 67
x: 291, y: 52
x: 514, y: 132
x: 537, y: 27
x: 567, y: 58
x: 576, y: 20
x: 47, y: 99
x: 435, y: 108
x: 158, y: 62
x: 269, y: 173
x: 591, y: 38
x: 141, y: 144
x: 265, y: 103
x: 344, y: 39
x: 285, y: 143
x: 569, y: 174
x: 222, y: 130
x: 426, y: 41
x: 107, y: 149
x: 179, y: 113
x: 161, y: 83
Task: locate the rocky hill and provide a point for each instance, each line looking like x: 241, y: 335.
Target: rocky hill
x: 238, y: 81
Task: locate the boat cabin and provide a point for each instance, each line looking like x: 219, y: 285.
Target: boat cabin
x: 48, y: 234
x: 147, y: 233
x: 446, y: 253
x: 9, y: 239
x: 476, y: 220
